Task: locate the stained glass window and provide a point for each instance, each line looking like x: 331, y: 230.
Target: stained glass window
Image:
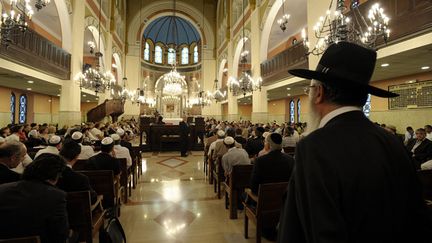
x: 367, y: 106
x: 12, y: 107
x: 147, y: 52
x: 298, y: 110
x: 22, y: 109
x: 185, y: 55
x: 292, y: 112
x: 196, y: 54
x: 171, y: 56
x: 158, y: 54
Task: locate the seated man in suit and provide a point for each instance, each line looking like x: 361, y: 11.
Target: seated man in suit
x: 420, y: 149
x: 239, y: 138
x: 34, y: 206
x: 86, y: 150
x: 275, y: 166
x: 105, y: 159
x: 256, y: 144
x: 124, y: 142
x: 11, y: 155
x: 272, y: 167
x: 70, y: 180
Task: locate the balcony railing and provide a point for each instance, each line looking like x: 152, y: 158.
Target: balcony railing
x: 277, y: 68
x: 33, y: 50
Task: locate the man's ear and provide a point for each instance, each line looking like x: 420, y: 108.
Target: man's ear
x: 319, y: 95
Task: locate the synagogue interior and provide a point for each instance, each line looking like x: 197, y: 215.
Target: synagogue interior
x: 142, y: 102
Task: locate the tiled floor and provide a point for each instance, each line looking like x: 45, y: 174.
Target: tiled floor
x: 173, y: 202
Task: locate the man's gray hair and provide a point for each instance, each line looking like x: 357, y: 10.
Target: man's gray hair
x: 12, y: 148
x: 272, y: 144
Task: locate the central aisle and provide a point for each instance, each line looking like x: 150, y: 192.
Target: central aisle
x: 173, y: 202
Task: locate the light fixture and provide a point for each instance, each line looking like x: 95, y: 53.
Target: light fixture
x: 95, y: 78
x: 283, y: 21
x: 84, y: 95
x: 30, y: 81
x: 218, y: 95
x: 385, y: 65
x: 288, y: 88
x: 425, y: 67
x: 202, y: 99
x: 245, y: 83
x: 29, y: 88
x: 337, y: 26
x: 92, y: 46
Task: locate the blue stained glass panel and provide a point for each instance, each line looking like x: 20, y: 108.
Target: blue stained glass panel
x: 292, y: 111
x: 12, y: 107
x: 22, y: 109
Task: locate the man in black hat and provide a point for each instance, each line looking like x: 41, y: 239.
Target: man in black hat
x: 353, y: 181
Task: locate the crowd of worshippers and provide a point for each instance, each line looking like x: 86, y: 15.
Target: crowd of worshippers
x: 265, y: 146
x: 33, y: 190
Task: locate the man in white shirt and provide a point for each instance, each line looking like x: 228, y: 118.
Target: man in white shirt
x: 428, y: 129
x: 54, y: 145
x: 86, y: 150
x: 121, y: 152
x: 234, y: 156
x: 409, y: 135
x: 96, y: 132
x: 221, y: 135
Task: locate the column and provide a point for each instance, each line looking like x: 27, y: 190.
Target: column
x: 133, y: 73
x: 70, y: 98
x: 259, y: 98
x: 107, y: 62
x: 208, y: 72
x: 232, y: 100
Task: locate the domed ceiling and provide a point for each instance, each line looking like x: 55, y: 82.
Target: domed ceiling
x: 171, y: 30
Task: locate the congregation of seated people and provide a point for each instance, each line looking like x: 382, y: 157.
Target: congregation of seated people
x: 37, y: 171
x: 270, y: 148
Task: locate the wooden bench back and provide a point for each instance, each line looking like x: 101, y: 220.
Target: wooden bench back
x: 80, y: 164
x: 240, y: 176
x: 102, y: 181
x: 30, y: 239
x: 425, y: 177
x: 270, y: 201
x: 289, y: 150
x: 79, y: 213
x: 124, y: 171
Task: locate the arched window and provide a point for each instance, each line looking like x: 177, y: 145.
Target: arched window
x: 367, y: 106
x: 195, y: 54
x: 298, y: 110
x: 185, y: 56
x: 147, y: 52
x: 292, y: 112
x: 171, y: 56
x: 12, y: 107
x: 158, y: 54
x: 23, y: 109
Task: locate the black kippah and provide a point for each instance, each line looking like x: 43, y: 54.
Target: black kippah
x: 276, y: 138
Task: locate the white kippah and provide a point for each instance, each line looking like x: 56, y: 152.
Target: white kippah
x: 77, y: 135
x: 120, y: 132
x: 229, y: 140
x: 33, y: 133
x: 2, y: 140
x: 220, y: 133
x: 265, y: 134
x: 54, y: 140
x: 107, y: 141
x: 115, y: 137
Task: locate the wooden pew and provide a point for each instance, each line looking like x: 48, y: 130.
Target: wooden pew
x: 268, y: 205
x: 238, y: 180
x: 103, y: 182
x: 289, y: 150
x: 125, y: 180
x: 80, y: 164
x: 218, y: 176
x: 210, y: 167
x: 31, y: 239
x: 84, y: 218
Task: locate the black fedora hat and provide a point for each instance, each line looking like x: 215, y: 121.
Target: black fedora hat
x: 348, y: 66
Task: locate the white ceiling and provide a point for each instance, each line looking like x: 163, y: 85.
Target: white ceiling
x: 49, y: 19
x: 298, y: 20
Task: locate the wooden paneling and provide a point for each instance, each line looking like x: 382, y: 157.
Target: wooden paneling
x: 277, y: 68
x: 33, y: 50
